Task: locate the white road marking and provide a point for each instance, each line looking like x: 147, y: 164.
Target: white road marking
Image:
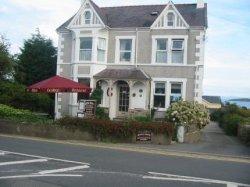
x: 37, y: 175
x: 63, y: 170
x: 48, y: 158
x: 171, y: 177
x: 22, y: 162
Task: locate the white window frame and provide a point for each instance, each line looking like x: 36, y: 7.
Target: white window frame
x: 91, y: 17
x: 117, y: 50
x: 158, y: 94
x: 174, y: 21
x: 85, y: 49
x: 172, y: 82
x: 168, y: 82
x: 175, y: 49
x: 105, y: 50
x: 170, y: 38
x: 157, y: 50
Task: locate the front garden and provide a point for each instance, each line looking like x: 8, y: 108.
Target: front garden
x: 191, y: 116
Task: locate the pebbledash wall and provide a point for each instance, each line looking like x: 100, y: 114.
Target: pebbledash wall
x: 191, y: 71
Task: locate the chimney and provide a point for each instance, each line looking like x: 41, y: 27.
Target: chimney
x: 200, y: 4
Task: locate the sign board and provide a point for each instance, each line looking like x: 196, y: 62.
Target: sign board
x: 144, y: 136
x: 88, y: 108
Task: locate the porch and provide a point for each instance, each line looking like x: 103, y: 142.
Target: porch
x: 126, y: 92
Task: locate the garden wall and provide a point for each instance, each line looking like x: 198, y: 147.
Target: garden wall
x: 54, y: 131
x: 244, y: 133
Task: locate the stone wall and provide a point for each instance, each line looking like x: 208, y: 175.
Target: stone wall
x: 61, y: 133
x: 244, y: 133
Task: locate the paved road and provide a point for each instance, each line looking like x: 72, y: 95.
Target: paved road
x: 48, y: 164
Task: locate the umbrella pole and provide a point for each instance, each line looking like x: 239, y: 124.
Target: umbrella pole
x: 56, y: 106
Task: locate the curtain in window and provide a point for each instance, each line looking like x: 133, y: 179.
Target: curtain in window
x: 85, y: 49
x: 161, y: 51
x: 125, y: 50
x: 101, y: 49
x: 177, y: 51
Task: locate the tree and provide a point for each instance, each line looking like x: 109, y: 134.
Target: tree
x: 5, y: 59
x: 37, y: 60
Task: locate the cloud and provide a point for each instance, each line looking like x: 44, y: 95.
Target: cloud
x: 4, y: 9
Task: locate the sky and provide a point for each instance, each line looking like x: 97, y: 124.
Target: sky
x: 227, y: 58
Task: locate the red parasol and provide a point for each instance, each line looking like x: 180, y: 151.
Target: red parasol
x: 58, y: 84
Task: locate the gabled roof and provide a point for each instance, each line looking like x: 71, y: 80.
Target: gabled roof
x: 140, y: 16
x: 212, y: 99
x: 134, y: 74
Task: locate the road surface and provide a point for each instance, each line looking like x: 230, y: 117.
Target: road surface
x: 29, y: 162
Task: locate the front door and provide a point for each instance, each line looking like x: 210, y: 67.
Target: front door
x: 123, y: 99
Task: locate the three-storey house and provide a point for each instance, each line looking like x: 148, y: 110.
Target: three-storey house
x: 142, y: 57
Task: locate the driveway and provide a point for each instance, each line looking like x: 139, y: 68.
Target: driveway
x: 215, y: 141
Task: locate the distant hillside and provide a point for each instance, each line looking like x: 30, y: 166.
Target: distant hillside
x: 241, y: 100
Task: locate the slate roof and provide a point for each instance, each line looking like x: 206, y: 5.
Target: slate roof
x: 212, y: 99
x: 129, y: 74
x: 140, y: 16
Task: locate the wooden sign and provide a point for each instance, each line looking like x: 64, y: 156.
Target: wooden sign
x: 144, y: 136
x: 89, y: 108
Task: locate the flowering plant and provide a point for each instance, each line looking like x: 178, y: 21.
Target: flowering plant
x: 188, y: 113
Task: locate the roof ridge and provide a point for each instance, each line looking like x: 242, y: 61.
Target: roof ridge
x: 146, y: 5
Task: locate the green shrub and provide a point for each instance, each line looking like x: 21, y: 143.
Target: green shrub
x: 20, y: 115
x: 101, y: 114
x: 15, y: 95
x: 230, y: 123
x: 111, y: 130
x: 142, y: 119
x: 230, y: 116
x: 97, y: 95
x: 188, y: 114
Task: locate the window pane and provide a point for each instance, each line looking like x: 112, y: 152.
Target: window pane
x: 159, y: 101
x: 161, y: 44
x: 176, y: 88
x: 170, y: 18
x: 125, y: 56
x: 161, y: 57
x: 85, y: 81
x: 160, y: 88
x: 102, y: 43
x: 177, y: 44
x: 177, y: 57
x: 101, y: 55
x: 87, y: 15
x: 175, y: 98
x: 86, y: 43
x: 85, y: 55
x: 126, y: 44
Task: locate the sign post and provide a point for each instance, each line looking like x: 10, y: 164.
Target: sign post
x: 87, y: 108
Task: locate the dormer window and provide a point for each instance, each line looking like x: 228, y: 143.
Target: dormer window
x: 170, y: 19
x: 87, y: 17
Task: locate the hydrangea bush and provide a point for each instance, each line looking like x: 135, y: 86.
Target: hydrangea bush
x: 188, y: 113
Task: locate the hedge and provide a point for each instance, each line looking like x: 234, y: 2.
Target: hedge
x: 106, y: 129
x: 230, y: 117
x: 15, y: 95
x: 20, y: 115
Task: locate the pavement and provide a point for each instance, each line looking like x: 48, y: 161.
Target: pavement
x: 214, y: 141
x: 39, y: 162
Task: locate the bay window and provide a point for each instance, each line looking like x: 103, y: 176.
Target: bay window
x: 176, y: 92
x: 125, y: 50
x: 177, y: 51
x: 101, y: 49
x: 160, y: 95
x: 86, y: 49
x: 161, y: 50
